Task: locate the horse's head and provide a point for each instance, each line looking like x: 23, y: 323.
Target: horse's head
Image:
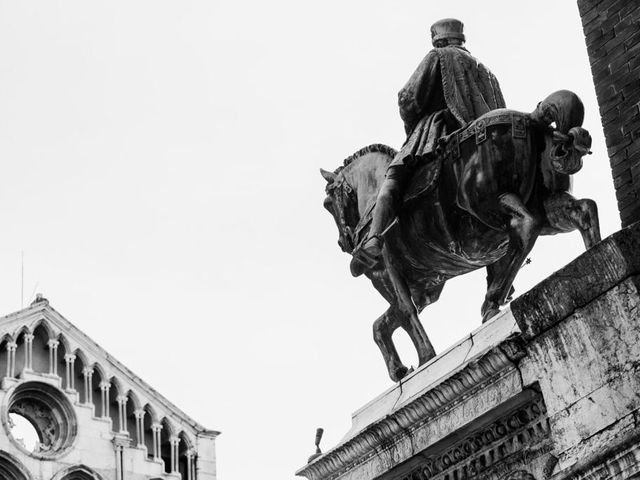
x: 568, y: 142
x: 342, y: 205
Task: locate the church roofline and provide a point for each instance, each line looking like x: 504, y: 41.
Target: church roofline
x: 42, y: 309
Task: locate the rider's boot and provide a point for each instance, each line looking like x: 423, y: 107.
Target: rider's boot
x: 367, y: 256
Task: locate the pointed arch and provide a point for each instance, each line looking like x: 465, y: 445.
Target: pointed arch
x: 4, y: 355
x: 134, y: 399
x: 150, y: 418
x: 77, y: 472
x: 61, y: 369
x: 166, y: 434
x: 115, y: 391
x: 44, y: 323
x: 151, y: 413
x: 40, y: 348
x: 78, y: 366
x: 20, y: 330
x: 99, y: 376
x: 185, y: 456
x: 21, y: 350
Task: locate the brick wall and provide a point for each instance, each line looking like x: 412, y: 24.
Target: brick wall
x: 612, y: 33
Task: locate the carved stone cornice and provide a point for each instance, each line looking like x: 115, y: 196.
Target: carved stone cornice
x: 518, y: 434
x: 403, y: 422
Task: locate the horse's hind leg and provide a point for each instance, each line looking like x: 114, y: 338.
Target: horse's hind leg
x: 565, y: 214
x: 383, y: 329
x: 524, y: 229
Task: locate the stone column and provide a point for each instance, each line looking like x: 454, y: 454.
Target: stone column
x: 28, y: 351
x: 88, y: 393
x: 156, y: 428
x: 190, y: 470
x: 104, y: 391
x: 53, y: 356
x: 122, y: 412
x: 69, y: 359
x: 139, y: 427
x: 119, y: 444
x: 174, y: 442
x: 11, y: 359
x: 610, y: 28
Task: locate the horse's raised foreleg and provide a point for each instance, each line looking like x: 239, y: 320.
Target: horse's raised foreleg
x: 523, y: 228
x: 565, y: 214
x: 407, y: 313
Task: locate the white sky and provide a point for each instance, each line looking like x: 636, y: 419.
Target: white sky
x: 160, y: 171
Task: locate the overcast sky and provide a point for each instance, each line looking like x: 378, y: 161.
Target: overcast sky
x: 159, y: 169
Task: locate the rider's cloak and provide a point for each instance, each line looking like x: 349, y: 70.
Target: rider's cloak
x: 449, y: 89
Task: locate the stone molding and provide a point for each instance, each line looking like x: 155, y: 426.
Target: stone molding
x: 473, y: 377
x: 590, y: 275
x: 484, y: 451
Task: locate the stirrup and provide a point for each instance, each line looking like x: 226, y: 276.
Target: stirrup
x: 363, y: 261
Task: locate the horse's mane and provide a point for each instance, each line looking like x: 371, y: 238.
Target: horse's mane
x: 374, y: 148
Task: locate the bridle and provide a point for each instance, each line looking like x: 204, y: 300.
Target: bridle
x: 343, y: 197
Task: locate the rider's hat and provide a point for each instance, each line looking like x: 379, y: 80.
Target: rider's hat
x: 447, y: 28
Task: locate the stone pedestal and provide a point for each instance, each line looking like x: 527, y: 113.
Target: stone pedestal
x: 548, y: 389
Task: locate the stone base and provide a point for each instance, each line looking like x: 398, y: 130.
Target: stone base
x: 548, y: 389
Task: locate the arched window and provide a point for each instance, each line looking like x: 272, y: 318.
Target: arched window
x: 21, y: 352
x: 166, y: 435
x: 96, y: 379
x: 4, y: 356
x: 63, y: 349
x: 11, y: 468
x: 147, y: 422
x: 77, y: 472
x: 114, y: 406
x: 186, y: 458
x: 40, y: 350
x: 78, y: 367
x: 131, y: 422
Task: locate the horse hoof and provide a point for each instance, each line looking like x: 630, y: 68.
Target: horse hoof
x: 489, y: 314
x: 398, y: 373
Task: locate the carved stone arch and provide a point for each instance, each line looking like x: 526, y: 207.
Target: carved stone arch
x: 20, y: 355
x: 150, y: 418
x: 44, y: 323
x: 5, y: 340
x: 40, y: 356
x: 63, y: 349
x: 186, y: 449
x: 12, y: 469
x: 130, y: 422
x: 99, y: 376
x: 77, y: 472
x: 80, y: 363
x: 115, y: 391
x: 166, y: 435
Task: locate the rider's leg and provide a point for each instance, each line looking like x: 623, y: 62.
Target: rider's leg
x: 387, y: 205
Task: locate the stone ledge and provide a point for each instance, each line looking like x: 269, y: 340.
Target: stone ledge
x: 590, y: 275
x: 430, y: 404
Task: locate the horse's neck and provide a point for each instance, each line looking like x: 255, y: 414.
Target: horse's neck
x: 366, y: 176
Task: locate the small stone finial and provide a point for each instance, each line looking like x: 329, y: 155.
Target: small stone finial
x: 40, y: 299
x: 319, y: 433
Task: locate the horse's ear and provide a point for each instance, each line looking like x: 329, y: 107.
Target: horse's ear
x: 328, y: 176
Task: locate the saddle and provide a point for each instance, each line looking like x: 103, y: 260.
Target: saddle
x: 426, y: 176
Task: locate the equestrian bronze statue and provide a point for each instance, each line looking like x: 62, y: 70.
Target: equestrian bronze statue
x: 491, y: 188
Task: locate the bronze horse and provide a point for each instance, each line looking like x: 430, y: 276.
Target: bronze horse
x: 492, y: 187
